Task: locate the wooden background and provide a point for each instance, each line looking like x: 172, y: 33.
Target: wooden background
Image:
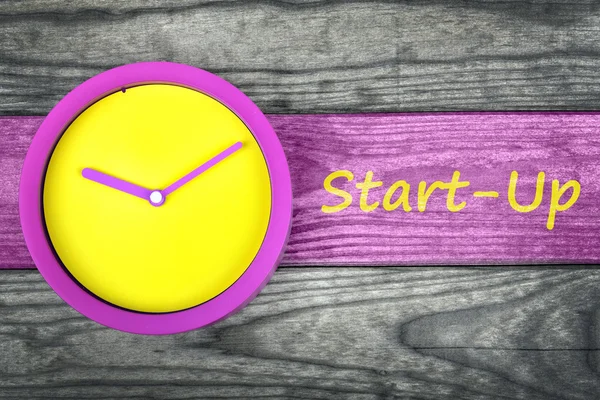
x: 414, y: 333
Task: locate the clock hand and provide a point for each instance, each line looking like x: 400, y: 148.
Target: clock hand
x: 215, y: 160
x: 156, y: 197
x: 116, y: 183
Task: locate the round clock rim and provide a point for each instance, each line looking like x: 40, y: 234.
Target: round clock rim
x: 244, y: 289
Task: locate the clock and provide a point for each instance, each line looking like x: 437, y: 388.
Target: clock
x: 155, y: 198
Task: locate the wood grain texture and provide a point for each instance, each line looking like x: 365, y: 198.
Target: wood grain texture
x: 410, y: 333
x: 484, y: 147
x: 15, y: 137
x: 361, y: 333
x: 316, y: 56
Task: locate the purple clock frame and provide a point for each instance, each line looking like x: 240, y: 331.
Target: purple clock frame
x: 232, y: 299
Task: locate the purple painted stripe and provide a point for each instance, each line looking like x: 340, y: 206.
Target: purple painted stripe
x: 484, y: 147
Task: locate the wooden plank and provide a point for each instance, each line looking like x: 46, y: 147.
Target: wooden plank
x: 15, y: 136
x: 484, y: 147
x: 319, y: 56
x: 411, y: 333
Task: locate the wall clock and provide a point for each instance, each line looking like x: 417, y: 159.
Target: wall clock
x: 155, y: 198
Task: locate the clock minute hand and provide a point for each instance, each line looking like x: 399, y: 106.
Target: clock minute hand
x: 215, y: 160
x: 116, y: 183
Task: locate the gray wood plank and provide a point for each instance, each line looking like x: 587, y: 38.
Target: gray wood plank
x: 321, y: 56
x: 414, y: 333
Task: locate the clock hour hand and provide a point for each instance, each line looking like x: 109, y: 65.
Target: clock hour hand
x: 116, y: 183
x: 215, y: 160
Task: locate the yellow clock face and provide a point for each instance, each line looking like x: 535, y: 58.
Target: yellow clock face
x: 149, y: 258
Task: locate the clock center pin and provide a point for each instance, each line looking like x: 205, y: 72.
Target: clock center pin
x: 157, y: 198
